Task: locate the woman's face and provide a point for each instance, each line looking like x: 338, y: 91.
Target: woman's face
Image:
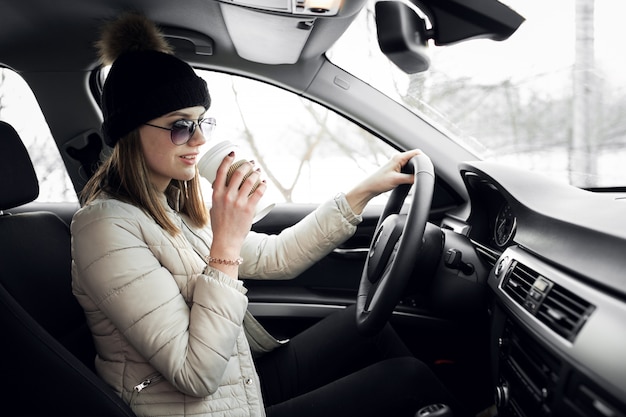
x: 165, y: 160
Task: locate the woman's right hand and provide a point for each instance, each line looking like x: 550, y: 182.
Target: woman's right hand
x: 232, y: 211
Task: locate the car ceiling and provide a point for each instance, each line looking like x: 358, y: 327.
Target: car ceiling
x: 72, y: 27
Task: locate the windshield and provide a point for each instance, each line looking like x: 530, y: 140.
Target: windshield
x: 550, y: 98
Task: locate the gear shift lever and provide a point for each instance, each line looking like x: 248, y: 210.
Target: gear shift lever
x: 434, y: 410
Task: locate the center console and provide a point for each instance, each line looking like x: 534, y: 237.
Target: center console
x: 558, y: 344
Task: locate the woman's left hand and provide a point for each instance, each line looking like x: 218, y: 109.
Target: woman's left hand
x: 384, y: 179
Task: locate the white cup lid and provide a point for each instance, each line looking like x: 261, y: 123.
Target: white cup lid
x: 208, y: 164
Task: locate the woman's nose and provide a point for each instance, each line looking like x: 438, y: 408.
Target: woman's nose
x: 197, y: 138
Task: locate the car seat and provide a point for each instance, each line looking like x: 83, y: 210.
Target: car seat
x: 46, y: 353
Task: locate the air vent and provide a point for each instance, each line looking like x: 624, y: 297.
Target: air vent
x: 519, y: 282
x: 564, y: 312
x: 561, y: 310
x: 590, y: 400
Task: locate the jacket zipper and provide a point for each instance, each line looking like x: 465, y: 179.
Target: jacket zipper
x: 150, y: 380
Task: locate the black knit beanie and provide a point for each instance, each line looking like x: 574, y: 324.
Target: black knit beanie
x: 145, y: 81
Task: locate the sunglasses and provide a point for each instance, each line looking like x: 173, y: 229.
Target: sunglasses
x: 183, y: 130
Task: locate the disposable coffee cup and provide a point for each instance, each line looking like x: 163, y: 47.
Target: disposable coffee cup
x: 212, y: 159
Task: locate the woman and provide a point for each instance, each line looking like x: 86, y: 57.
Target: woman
x: 157, y: 274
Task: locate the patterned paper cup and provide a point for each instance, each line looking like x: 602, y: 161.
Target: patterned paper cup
x: 210, y: 162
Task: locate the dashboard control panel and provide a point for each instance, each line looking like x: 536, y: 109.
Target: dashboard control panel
x: 551, y: 333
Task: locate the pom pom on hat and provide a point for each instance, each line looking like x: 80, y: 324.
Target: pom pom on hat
x: 131, y: 32
x: 145, y: 81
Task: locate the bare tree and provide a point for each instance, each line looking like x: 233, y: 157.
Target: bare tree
x: 312, y: 141
x: 317, y: 132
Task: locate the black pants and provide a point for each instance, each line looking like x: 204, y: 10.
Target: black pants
x: 332, y: 370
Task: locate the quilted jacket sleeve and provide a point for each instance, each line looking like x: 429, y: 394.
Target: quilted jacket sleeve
x: 286, y: 255
x: 114, y: 250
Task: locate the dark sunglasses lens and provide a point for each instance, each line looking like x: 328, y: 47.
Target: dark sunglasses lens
x: 182, y: 131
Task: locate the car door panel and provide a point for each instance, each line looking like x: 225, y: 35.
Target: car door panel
x: 287, y: 307
x: 338, y: 273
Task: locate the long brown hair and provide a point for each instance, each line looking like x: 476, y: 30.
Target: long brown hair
x: 124, y: 175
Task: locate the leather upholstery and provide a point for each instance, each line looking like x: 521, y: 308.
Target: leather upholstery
x: 47, y: 351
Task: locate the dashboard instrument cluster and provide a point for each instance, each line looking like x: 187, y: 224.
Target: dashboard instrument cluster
x: 504, y: 226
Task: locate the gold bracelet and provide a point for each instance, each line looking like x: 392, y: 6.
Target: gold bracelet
x: 238, y: 261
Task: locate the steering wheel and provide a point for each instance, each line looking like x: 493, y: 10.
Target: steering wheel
x: 396, y: 245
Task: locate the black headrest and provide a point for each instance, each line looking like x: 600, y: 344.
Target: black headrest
x: 18, y: 181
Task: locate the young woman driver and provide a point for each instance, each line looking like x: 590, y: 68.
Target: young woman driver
x: 157, y: 273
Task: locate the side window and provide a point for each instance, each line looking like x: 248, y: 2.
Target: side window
x: 19, y: 107
x: 307, y: 152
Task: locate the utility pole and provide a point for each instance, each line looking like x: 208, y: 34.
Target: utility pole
x: 584, y: 141
x: 2, y: 88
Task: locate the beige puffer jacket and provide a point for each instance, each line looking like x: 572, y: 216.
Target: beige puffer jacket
x: 170, y: 338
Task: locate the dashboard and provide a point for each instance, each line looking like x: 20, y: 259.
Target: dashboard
x: 557, y: 283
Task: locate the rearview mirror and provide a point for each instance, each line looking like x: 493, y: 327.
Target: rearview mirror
x: 402, y: 36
